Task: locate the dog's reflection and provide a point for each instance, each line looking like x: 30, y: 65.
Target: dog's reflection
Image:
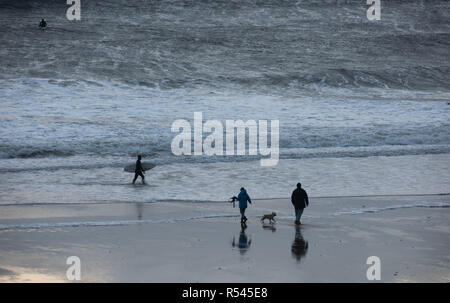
x: 269, y: 226
x: 299, y: 246
x: 244, y: 242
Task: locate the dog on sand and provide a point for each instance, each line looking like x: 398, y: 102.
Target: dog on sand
x: 270, y: 217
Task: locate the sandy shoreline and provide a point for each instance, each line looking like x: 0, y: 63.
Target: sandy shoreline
x: 136, y: 247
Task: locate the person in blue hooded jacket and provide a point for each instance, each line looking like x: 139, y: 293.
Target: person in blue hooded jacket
x: 243, y: 197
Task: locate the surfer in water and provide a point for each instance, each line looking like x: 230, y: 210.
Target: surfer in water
x: 139, y: 170
x: 43, y: 24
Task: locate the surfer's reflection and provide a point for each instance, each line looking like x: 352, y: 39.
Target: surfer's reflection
x: 244, y: 242
x: 299, y: 245
x: 140, y: 207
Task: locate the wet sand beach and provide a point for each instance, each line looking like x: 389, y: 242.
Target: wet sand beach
x: 125, y: 242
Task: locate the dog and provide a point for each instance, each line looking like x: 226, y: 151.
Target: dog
x: 233, y: 200
x: 269, y: 216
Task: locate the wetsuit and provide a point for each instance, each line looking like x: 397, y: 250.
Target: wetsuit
x: 138, y: 171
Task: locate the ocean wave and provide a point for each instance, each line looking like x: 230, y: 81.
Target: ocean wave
x: 420, y: 78
x: 415, y: 78
x: 164, y: 156
x: 167, y: 158
x: 40, y: 153
x: 60, y: 167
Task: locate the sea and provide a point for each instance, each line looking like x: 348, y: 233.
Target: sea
x: 363, y: 105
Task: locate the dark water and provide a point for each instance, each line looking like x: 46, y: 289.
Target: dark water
x: 263, y: 46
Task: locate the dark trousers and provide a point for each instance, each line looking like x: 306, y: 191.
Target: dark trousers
x: 242, y: 210
x: 298, y: 213
x: 138, y: 174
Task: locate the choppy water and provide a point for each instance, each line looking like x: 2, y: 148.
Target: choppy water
x: 363, y: 106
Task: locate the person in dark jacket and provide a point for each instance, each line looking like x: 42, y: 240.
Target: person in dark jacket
x: 139, y: 170
x: 299, y: 199
x: 243, y: 197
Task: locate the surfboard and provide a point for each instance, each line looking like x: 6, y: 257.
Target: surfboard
x: 132, y: 167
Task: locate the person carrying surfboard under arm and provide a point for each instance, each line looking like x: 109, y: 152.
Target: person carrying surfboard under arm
x: 139, y: 171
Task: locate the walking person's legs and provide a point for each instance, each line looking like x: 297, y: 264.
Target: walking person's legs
x: 136, y: 175
x: 243, y: 218
x: 298, y: 215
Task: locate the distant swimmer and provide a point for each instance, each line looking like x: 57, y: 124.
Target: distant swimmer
x: 43, y: 24
x: 139, y: 170
x: 300, y: 200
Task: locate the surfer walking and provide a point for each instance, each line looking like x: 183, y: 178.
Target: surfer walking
x: 43, y: 24
x: 139, y: 170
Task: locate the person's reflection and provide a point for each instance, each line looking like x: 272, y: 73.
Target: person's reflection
x: 299, y: 245
x: 244, y: 242
x: 139, y: 207
x: 269, y: 226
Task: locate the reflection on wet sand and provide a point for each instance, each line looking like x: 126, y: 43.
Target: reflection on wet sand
x: 299, y: 246
x: 244, y: 241
x: 269, y: 226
